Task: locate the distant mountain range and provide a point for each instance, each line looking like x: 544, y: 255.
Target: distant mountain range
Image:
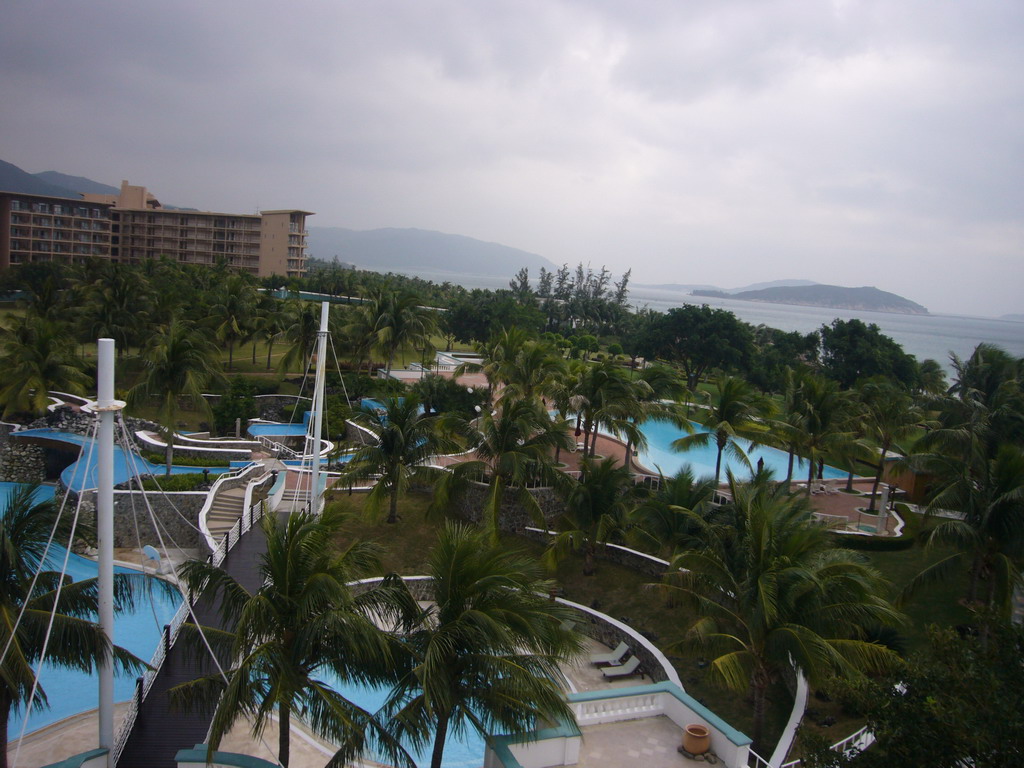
x: 831, y: 296
x: 441, y: 256
x: 420, y: 250
x: 55, y: 184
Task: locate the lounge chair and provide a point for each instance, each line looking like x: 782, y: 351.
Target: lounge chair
x: 627, y: 669
x: 612, y: 659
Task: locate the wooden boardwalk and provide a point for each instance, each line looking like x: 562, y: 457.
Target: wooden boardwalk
x: 161, y: 731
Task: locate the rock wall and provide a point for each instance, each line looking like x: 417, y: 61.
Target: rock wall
x: 513, y: 517
x: 22, y: 463
x: 177, y: 515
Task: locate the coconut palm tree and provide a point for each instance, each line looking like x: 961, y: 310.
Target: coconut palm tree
x: 402, y: 439
x: 485, y: 655
x: 36, y: 356
x: 496, y: 356
x: 597, y: 509
x: 770, y: 591
x: 976, y: 456
x: 77, y: 642
x: 232, y: 313
x: 531, y: 373
x: 663, y: 518
x: 301, y: 624
x: 301, y: 325
x: 178, y: 362
x: 827, y: 422
x: 890, y: 416
x: 513, y: 450
x: 989, y: 539
x: 401, y: 321
x: 735, y: 410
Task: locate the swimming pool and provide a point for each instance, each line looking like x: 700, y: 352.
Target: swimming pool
x: 463, y: 751
x: 81, y: 475
x: 660, y: 456
x: 70, y: 692
x: 276, y: 429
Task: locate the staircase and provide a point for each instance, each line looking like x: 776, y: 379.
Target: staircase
x: 225, y: 511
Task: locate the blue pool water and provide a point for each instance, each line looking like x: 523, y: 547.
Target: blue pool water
x: 82, y: 473
x: 281, y: 430
x: 70, y: 692
x: 464, y: 751
x: 660, y: 456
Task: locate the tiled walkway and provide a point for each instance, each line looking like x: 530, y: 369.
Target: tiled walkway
x: 647, y: 743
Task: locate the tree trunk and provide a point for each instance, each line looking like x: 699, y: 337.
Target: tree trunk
x: 810, y: 472
x: 270, y: 348
x: 878, y: 477
x: 440, y: 736
x: 789, y: 467
x: 629, y: 448
x: 5, y: 713
x: 169, y: 450
x: 231, y: 355
x: 393, y: 512
x: 254, y: 354
x: 588, y: 559
x: 284, y: 723
x: 718, y: 466
x: 760, y: 695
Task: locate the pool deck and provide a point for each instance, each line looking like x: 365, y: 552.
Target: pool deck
x: 652, y: 740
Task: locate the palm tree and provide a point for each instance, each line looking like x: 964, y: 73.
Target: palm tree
x: 496, y: 355
x: 735, y: 410
x: 976, y: 456
x: 989, y: 539
x: 115, y: 306
x: 179, y: 362
x: 531, y: 373
x: 232, y: 313
x: 301, y: 325
x: 890, y: 415
x: 513, y: 449
x: 403, y: 439
x: 769, y: 590
x: 301, y: 624
x: 400, y: 321
x: 77, y: 642
x: 826, y: 423
x: 597, y: 509
x: 605, y: 397
x: 485, y: 655
x: 37, y: 356
x: 663, y: 518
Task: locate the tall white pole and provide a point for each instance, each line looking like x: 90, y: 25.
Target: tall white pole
x: 107, y: 406
x: 318, y: 404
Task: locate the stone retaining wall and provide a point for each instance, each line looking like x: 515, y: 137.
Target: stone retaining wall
x: 513, y: 516
x: 22, y: 463
x: 178, y: 528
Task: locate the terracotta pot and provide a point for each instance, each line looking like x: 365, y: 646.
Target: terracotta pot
x: 696, y: 739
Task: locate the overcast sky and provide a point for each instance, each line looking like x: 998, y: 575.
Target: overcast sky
x: 725, y: 142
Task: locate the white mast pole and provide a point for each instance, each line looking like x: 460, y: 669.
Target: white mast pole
x: 318, y: 405
x: 107, y: 406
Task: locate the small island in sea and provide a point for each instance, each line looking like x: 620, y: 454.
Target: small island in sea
x: 830, y: 296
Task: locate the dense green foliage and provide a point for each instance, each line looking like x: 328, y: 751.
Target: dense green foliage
x: 955, y: 703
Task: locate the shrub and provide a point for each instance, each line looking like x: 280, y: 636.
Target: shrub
x: 187, y: 461
x: 191, y: 481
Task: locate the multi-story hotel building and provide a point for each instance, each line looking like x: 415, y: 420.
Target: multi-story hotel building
x: 132, y: 226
